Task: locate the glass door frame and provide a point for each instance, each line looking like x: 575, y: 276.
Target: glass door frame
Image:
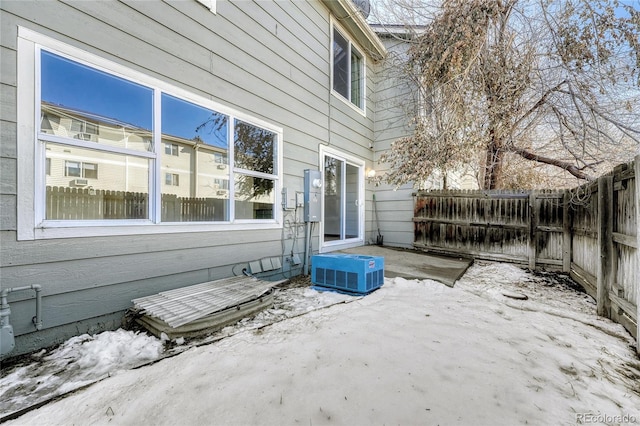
x: 342, y: 243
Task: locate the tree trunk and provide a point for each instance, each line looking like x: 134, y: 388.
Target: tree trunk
x: 493, y: 165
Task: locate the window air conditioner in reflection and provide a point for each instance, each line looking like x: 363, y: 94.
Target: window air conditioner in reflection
x: 80, y: 182
x: 89, y: 137
x: 222, y: 192
x: 222, y: 166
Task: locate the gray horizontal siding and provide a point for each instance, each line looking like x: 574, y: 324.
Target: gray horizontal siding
x: 8, y: 139
x: 267, y: 59
x: 394, y: 98
x: 7, y: 216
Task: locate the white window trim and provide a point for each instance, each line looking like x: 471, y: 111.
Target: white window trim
x: 362, y: 111
x: 30, y: 206
x: 354, y: 242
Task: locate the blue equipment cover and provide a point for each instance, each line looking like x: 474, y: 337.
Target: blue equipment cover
x: 351, y: 273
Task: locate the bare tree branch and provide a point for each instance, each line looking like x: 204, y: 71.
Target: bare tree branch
x: 571, y: 168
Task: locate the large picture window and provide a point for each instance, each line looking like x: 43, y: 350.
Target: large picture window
x: 348, y: 70
x: 163, y: 157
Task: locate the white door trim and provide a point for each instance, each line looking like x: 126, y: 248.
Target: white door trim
x: 354, y: 161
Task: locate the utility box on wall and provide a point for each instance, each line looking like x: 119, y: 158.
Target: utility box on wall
x: 352, y: 273
x: 312, y: 195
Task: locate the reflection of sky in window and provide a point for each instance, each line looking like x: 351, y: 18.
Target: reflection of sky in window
x: 189, y: 121
x: 78, y: 87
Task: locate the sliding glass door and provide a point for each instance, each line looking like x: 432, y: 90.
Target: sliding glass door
x: 343, y: 202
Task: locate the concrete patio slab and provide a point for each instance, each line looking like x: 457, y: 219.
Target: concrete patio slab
x: 413, y: 264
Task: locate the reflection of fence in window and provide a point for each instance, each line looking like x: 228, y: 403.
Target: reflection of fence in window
x: 90, y: 204
x: 65, y: 203
x: 185, y: 209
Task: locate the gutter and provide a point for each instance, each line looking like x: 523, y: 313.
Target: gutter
x: 349, y: 15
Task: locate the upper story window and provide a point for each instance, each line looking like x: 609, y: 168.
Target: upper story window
x: 171, y: 149
x: 348, y: 70
x: 165, y: 155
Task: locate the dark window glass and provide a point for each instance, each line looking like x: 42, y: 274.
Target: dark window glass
x: 340, y: 64
x: 72, y: 168
x: 254, y: 148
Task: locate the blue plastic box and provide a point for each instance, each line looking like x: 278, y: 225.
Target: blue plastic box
x: 351, y: 273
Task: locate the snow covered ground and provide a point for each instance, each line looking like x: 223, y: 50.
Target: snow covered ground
x: 413, y: 352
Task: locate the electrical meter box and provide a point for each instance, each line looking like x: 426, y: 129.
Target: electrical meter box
x: 312, y: 195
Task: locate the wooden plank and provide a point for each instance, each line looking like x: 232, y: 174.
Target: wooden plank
x: 637, y: 219
x: 533, y: 223
x: 605, y: 243
x: 523, y: 260
x: 545, y: 261
x: 585, y: 232
x: 627, y: 240
x: 549, y: 228
x: 465, y: 223
x: 622, y: 175
x: 584, y: 278
x: 473, y: 194
x: 623, y: 305
x: 566, y: 233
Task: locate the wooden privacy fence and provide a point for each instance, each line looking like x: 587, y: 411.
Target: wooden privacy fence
x: 590, y: 232
x: 64, y: 203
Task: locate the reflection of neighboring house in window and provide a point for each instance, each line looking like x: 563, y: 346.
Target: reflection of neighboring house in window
x: 182, y: 158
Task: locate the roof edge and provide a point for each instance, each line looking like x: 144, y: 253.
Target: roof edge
x: 346, y: 11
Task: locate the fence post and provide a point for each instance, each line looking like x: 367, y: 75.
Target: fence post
x: 566, y: 232
x: 637, y: 183
x: 533, y: 225
x: 605, y: 243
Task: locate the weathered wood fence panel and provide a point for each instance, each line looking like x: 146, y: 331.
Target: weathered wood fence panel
x: 591, y: 232
x: 584, y: 236
x: 476, y: 223
x: 624, y: 281
x: 513, y: 226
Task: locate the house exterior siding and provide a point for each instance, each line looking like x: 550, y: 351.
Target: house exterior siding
x: 268, y: 60
x: 396, y: 101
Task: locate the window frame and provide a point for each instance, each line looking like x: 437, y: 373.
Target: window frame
x: 32, y: 144
x: 171, y: 179
x: 81, y: 168
x: 170, y: 148
x: 351, y: 46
